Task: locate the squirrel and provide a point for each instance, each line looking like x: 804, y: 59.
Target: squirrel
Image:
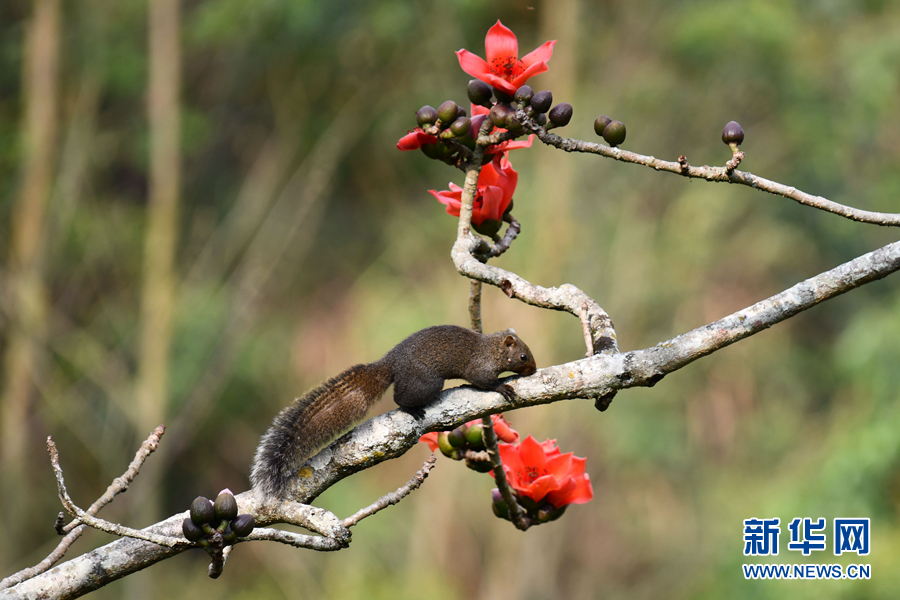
x: 417, y: 367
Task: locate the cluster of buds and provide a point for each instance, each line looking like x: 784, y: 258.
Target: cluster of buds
x: 536, y: 105
x: 543, y: 480
x: 611, y: 130
x: 214, y: 525
x: 448, y: 121
x: 543, y: 512
x: 466, y: 442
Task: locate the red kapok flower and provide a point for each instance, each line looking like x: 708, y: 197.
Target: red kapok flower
x: 543, y: 474
x: 503, y: 68
x: 496, y: 185
x: 504, y: 432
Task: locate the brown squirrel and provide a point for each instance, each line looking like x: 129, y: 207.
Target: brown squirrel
x: 417, y: 367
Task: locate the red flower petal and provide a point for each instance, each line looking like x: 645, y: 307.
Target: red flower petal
x: 501, y: 49
x: 431, y: 440
x: 415, y: 139
x: 540, y: 55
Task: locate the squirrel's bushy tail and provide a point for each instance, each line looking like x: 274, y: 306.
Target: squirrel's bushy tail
x: 314, y: 420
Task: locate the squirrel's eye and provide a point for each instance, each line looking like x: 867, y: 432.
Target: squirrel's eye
x: 524, y: 357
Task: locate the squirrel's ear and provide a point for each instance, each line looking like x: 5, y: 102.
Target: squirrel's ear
x: 509, y: 342
x: 511, y: 330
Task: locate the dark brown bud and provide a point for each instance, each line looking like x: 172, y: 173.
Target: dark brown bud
x: 733, y: 133
x: 243, y: 525
x: 524, y: 95
x: 479, y: 93
x: 191, y: 530
x: 202, y: 510
x: 226, y: 507
x: 561, y: 114
x: 542, y: 101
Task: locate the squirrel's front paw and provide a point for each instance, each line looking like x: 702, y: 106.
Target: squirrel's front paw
x: 506, y: 391
x: 417, y: 412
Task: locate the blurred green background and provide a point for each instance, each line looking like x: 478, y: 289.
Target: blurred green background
x: 305, y: 242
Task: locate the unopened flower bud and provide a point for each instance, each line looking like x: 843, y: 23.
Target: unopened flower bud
x: 460, y: 126
x: 202, y: 510
x: 457, y: 437
x: 524, y: 95
x: 426, y: 115
x: 499, y: 113
x: 226, y: 507
x: 614, y: 133
x: 601, y: 123
x: 475, y: 432
x: 561, y: 114
x: 191, y: 530
x: 733, y: 135
x: 542, y: 101
x: 243, y: 525
x: 479, y: 93
x: 447, y: 112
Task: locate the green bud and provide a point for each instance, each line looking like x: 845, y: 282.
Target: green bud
x: 191, y: 530
x: 226, y: 506
x: 475, y: 434
x: 542, y: 101
x: 561, y: 114
x: 202, y: 510
x: 601, y: 123
x: 243, y: 524
x: 461, y: 126
x: 512, y: 122
x: 444, y: 444
x: 479, y: 93
x: 426, y: 116
x: 457, y: 437
x: 446, y: 112
x: 614, y: 133
x: 499, y: 113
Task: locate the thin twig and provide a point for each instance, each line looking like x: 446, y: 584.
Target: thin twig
x: 101, y: 524
x: 719, y: 174
x: 74, y: 529
x: 393, y: 497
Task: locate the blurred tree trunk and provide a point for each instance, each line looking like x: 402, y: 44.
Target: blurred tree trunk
x: 158, y: 287
x: 159, y: 277
x: 27, y: 302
